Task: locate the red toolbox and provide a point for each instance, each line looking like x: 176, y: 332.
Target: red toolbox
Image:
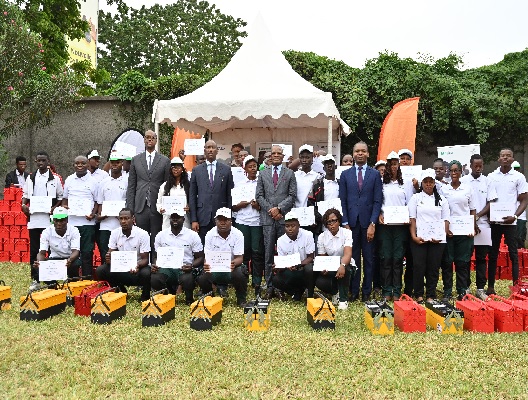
x: 8, y: 218
x: 8, y: 245
x: 14, y: 231
x: 409, y: 316
x: 502, y: 260
x: 9, y: 194
x: 21, y: 244
x: 520, y: 302
x: 506, y: 319
x: 520, y: 287
x: 506, y: 273
x: 83, y: 302
x: 20, y: 219
x: 478, y: 317
x: 5, y: 206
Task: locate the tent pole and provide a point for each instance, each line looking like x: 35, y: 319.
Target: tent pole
x: 156, y: 131
x: 329, y: 148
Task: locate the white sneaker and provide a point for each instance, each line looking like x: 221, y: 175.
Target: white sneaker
x: 34, y: 286
x: 481, y: 294
x: 343, y: 305
x: 335, y: 299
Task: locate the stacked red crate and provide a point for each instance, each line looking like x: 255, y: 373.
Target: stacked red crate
x: 13, y: 230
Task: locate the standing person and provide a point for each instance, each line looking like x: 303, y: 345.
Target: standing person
x: 248, y: 222
x: 241, y: 156
x: 235, y: 150
x: 112, y: 188
x: 394, y: 237
x: 210, y: 190
x: 440, y: 173
x: 177, y: 186
x: 324, y: 189
x: 425, y: 208
x: 148, y: 170
x: 347, y: 160
x: 459, y: 247
x: 94, y: 159
x: 380, y: 166
x: 276, y: 193
x: 361, y: 195
x: 305, y: 177
x: 42, y: 182
x: 18, y: 176
x: 512, y: 191
x: 483, y: 193
x: 81, y: 186
x: 521, y: 221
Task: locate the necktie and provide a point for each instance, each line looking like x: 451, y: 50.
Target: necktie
x: 275, y: 178
x: 211, y: 174
x: 150, y: 161
x: 360, y: 178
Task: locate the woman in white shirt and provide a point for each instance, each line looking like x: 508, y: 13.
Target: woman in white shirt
x: 176, y: 186
x: 335, y: 241
x: 429, y: 218
x: 459, y: 247
x: 393, y: 237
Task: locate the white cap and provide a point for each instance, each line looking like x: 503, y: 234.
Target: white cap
x: 405, y: 151
x: 380, y: 162
x: 177, y: 210
x: 291, y: 215
x: 223, y: 212
x: 115, y: 156
x: 247, y: 159
x: 427, y: 173
x: 93, y: 154
x: 60, y: 213
x: 306, y: 147
x: 326, y: 158
x: 395, y: 156
x: 177, y: 160
x: 516, y: 164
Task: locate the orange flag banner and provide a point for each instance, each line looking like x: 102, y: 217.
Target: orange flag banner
x: 399, y: 128
x: 178, y: 139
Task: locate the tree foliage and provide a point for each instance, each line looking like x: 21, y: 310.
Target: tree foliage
x: 188, y: 36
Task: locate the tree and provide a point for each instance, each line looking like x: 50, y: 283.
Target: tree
x: 185, y: 37
x: 29, y: 96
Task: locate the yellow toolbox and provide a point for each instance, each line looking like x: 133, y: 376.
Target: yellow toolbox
x: 159, y: 309
x: 74, y: 288
x: 108, y: 306
x: 445, y: 318
x: 5, y: 296
x: 320, y: 313
x: 379, y: 318
x: 257, y: 315
x: 43, y: 303
x: 206, y: 312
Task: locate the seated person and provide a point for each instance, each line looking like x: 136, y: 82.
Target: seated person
x: 193, y: 256
x: 63, y: 242
x: 224, y: 237
x: 128, y: 238
x: 335, y: 241
x: 295, y: 240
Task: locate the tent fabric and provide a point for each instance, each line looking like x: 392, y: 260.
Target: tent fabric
x: 258, y: 88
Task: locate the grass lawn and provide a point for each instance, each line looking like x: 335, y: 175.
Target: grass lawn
x: 68, y: 357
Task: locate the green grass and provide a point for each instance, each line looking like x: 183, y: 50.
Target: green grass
x: 68, y: 357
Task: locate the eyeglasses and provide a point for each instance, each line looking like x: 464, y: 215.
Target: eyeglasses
x: 331, y: 221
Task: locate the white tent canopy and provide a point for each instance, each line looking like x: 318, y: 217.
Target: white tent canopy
x: 257, y: 89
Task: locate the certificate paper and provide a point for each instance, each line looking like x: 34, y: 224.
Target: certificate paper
x: 169, y: 257
x: 123, y: 261
x: 52, y: 270
x: 243, y: 193
x: 326, y: 263
x: 112, y: 208
x: 340, y: 169
x: 287, y: 261
x: 484, y: 237
x: 239, y: 175
x: 411, y: 171
x: 219, y: 261
x: 287, y: 150
x: 464, y: 225
x: 194, y: 147
x: 305, y: 215
x: 323, y: 206
x: 434, y: 230
x: 39, y: 204
x: 499, y: 210
x: 395, y: 215
x: 173, y: 201
x: 80, y: 207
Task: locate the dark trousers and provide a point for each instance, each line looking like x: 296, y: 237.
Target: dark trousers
x: 291, y: 282
x: 458, y: 250
x: 167, y: 278
x: 34, y: 247
x: 87, y: 247
x: 427, y: 258
x: 521, y: 233
x: 204, y: 229
x: 480, y: 265
x: 150, y: 220
x: 253, y: 251
x: 104, y: 239
x: 393, y: 240
x: 408, y: 271
x: 362, y: 249
x: 142, y: 278
x: 376, y: 263
x: 510, y: 238
x: 327, y: 283
x: 271, y: 233
x: 237, y: 277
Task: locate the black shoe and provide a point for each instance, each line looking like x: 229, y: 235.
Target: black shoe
x: 257, y: 291
x: 123, y: 289
x: 223, y: 293
x: 241, y: 303
x: 354, y: 297
x: 269, y: 294
x: 280, y: 295
x: 297, y: 296
x: 365, y: 297
x: 490, y: 290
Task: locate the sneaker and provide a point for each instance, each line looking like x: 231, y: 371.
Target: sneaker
x: 343, y: 305
x: 481, y: 294
x: 34, y: 286
x: 491, y: 290
x: 335, y: 299
x: 223, y: 293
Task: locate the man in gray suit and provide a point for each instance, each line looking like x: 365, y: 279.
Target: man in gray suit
x: 148, y: 171
x: 210, y: 189
x: 276, y: 193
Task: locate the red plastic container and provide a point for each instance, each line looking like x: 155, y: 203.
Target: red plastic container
x: 21, y: 245
x: 506, y: 319
x: 4, y: 232
x: 5, y: 206
x: 506, y: 273
x: 4, y: 256
x: 83, y: 305
x: 25, y: 256
x: 9, y: 194
x: 478, y: 317
x: 8, y: 245
x: 8, y: 218
x: 503, y: 259
x: 14, y: 232
x: 15, y: 206
x: 520, y: 303
x: 15, y: 257
x: 409, y: 316
x: 18, y: 195
x: 20, y: 219
x: 24, y: 233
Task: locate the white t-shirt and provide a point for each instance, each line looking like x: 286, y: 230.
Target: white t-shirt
x: 233, y: 243
x: 304, y: 186
x: 508, y: 186
x: 334, y: 245
x: 331, y: 189
x: 460, y: 199
x: 186, y: 239
x: 175, y: 191
x: 482, y: 193
x: 111, y: 189
x: 60, y: 246
x: 248, y: 215
x: 304, y: 244
x: 139, y: 241
x: 422, y: 208
x: 84, y: 188
x: 43, y: 187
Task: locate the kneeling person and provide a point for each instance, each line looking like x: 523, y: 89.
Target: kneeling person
x: 193, y: 256
x: 128, y: 238
x: 296, y: 240
x: 223, y: 237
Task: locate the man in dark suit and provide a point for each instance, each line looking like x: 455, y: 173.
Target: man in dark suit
x: 276, y: 192
x: 210, y: 189
x: 361, y: 194
x: 17, y: 176
x: 148, y: 171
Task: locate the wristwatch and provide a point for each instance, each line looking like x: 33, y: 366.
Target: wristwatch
x: 515, y: 216
x: 476, y: 219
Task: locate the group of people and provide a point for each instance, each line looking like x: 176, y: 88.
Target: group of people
x: 167, y: 206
